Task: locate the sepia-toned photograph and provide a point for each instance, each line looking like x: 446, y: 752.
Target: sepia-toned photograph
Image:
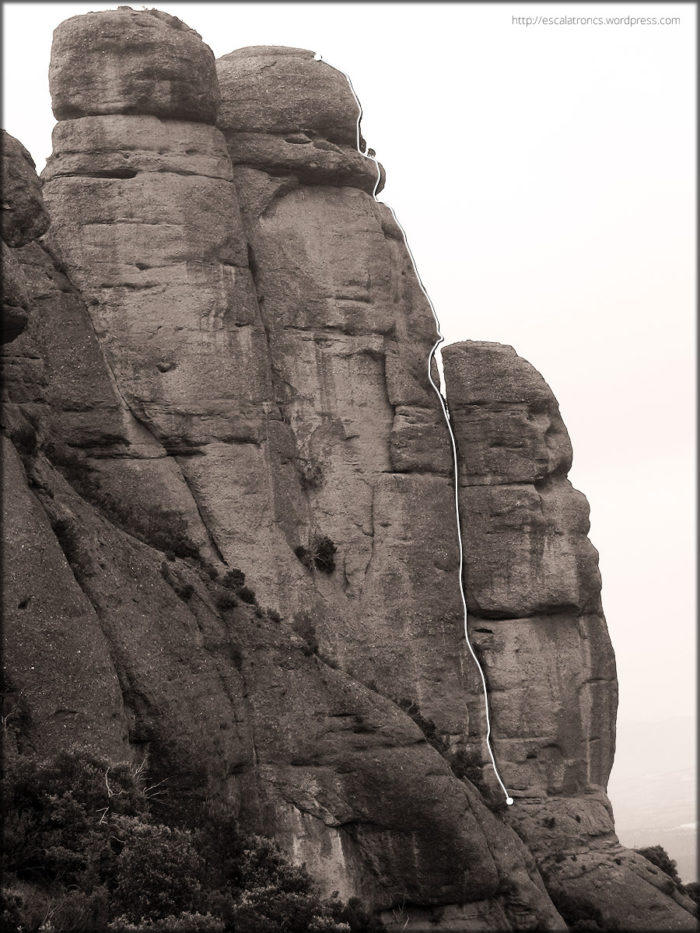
x: 348, y: 465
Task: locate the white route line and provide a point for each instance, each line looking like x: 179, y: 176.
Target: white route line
x: 441, y: 393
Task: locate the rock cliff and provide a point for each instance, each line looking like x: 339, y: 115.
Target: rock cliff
x: 217, y: 364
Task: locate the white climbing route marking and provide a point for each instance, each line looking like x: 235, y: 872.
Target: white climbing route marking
x: 440, y: 391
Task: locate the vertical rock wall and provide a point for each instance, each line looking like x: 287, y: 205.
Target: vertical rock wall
x: 226, y: 367
x: 536, y: 620
x: 349, y: 331
x: 281, y: 360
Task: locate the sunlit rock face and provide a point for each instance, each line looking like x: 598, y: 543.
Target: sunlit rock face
x: 226, y: 367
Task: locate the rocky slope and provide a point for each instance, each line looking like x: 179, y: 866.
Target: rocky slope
x: 217, y: 361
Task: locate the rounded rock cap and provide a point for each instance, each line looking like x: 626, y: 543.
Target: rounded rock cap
x: 128, y: 61
x: 24, y: 216
x: 283, y: 91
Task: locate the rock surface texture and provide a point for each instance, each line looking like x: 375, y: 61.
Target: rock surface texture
x: 536, y: 620
x: 217, y: 360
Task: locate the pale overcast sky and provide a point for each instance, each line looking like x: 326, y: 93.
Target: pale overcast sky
x: 545, y: 177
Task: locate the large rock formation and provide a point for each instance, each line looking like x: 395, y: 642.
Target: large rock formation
x: 226, y: 366
x: 535, y: 617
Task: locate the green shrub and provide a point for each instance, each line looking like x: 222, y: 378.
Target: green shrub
x: 320, y: 554
x: 580, y: 915
x: 78, y: 912
x: 57, y: 813
x: 183, y: 590
x: 310, y: 474
x: 355, y: 916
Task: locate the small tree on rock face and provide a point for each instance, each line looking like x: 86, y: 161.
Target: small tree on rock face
x: 324, y: 554
x: 693, y: 891
x: 658, y: 856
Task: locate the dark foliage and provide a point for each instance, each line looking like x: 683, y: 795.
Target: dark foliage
x: 83, y: 853
x: 321, y: 554
x: 303, y: 554
x: 310, y: 474
x: 324, y: 554
x: 225, y: 602
x: 658, y: 856
x: 693, y: 891
x: 247, y: 595
x: 233, y: 579
x: 581, y: 916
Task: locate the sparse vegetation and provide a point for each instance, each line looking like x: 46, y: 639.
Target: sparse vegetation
x: 304, y: 555
x: 311, y: 474
x: 225, y: 602
x: 658, y: 856
x: 183, y: 590
x: 582, y: 916
x: 234, y: 579
x: 247, y: 595
x: 83, y: 853
x: 693, y: 891
x: 304, y: 627
x: 324, y: 554
x: 321, y: 554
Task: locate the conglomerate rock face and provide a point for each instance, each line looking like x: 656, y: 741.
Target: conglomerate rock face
x: 226, y: 366
x: 535, y: 616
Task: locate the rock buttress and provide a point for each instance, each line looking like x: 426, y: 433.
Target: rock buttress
x: 349, y: 331
x: 537, y: 624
